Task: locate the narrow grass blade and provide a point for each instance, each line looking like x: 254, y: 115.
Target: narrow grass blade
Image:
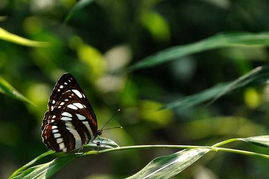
x: 7, y: 89
x: 5, y: 35
x: 48, y: 169
x: 78, y: 6
x: 214, y: 42
x: 258, y: 140
x: 170, y: 165
x: 196, y: 99
x: 257, y: 75
x: 26, y: 166
x: 161, y: 167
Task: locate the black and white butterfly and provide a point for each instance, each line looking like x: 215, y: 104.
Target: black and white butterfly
x: 70, y: 121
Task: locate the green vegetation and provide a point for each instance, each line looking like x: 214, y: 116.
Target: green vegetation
x: 188, y: 76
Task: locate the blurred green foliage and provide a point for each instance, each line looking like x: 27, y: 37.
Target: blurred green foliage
x: 96, y: 41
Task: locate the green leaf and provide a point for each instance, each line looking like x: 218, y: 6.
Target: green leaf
x: 26, y: 166
x: 5, y: 35
x: 7, y: 89
x: 258, y: 140
x: 193, y: 100
x: 79, y: 5
x: 102, y: 142
x: 214, y: 42
x: 156, y: 25
x: 170, y: 165
x: 48, y: 169
x: 257, y: 75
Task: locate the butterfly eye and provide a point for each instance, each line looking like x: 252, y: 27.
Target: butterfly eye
x: 70, y: 122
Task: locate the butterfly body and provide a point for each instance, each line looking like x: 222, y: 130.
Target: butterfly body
x: 70, y: 121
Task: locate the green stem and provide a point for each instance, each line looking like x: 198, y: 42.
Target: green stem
x: 226, y: 142
x: 242, y: 152
x: 145, y: 147
x: 212, y: 148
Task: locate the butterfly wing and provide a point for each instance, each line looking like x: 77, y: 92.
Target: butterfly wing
x: 70, y: 121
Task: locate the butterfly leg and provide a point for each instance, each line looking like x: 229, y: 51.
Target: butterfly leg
x: 80, y: 150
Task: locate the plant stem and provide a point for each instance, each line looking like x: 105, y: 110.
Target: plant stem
x: 152, y: 146
x: 226, y: 142
x: 212, y: 148
x: 243, y: 152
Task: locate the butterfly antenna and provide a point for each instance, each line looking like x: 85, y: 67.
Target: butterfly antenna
x: 114, y: 114
x: 113, y: 128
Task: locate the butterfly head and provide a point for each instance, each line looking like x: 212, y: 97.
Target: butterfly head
x: 99, y: 132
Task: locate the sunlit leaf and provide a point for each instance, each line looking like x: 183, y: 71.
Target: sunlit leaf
x: 217, y: 41
x: 5, y: 35
x: 170, y: 165
x: 252, y: 98
x: 94, y: 59
x: 259, y: 74
x: 78, y: 6
x: 149, y: 111
x: 156, y: 25
x: 258, y: 140
x: 7, y: 89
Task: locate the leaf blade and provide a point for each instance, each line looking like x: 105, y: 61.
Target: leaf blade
x: 8, y: 89
x: 48, y: 169
x: 257, y: 75
x: 24, y: 167
x: 79, y: 5
x: 102, y: 142
x: 214, y: 42
x: 170, y: 165
x: 195, y: 99
x: 258, y: 140
x: 7, y: 36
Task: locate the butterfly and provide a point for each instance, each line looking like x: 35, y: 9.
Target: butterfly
x: 70, y: 121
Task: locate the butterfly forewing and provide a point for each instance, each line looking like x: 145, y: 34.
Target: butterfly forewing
x: 70, y: 121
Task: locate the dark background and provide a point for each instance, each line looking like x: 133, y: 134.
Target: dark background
x: 105, y: 37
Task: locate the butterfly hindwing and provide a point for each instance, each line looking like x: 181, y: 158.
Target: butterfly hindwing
x: 70, y: 121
